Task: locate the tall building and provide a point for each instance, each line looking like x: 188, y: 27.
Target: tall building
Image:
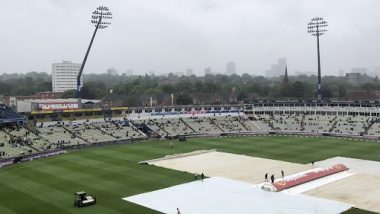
x: 129, y: 72
x: 64, y: 76
x: 208, y: 71
x: 277, y: 69
x: 152, y: 73
x: 189, y: 72
x: 377, y: 71
x: 112, y: 71
x: 179, y: 73
x: 230, y: 68
x: 354, y: 78
x: 307, y: 73
x: 361, y: 70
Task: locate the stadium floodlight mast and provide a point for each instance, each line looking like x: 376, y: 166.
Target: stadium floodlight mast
x: 317, y: 27
x: 101, y: 19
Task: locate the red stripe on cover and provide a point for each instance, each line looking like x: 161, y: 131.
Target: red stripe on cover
x: 307, y: 177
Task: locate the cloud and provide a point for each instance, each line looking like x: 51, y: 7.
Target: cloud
x: 171, y: 35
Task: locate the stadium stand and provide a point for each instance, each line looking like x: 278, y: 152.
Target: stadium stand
x: 230, y: 124
x: 262, y: 122
x: 201, y: 125
x: 351, y: 125
x: 287, y: 122
x: 10, y: 147
x: 152, y: 125
x: 19, y: 140
x: 120, y: 130
x: 89, y: 133
x: 9, y: 116
x: 174, y: 126
x: 36, y: 142
x: 318, y: 123
x: 59, y: 136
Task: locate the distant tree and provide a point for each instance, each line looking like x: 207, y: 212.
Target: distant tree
x: 69, y: 94
x: 98, y: 85
x: 94, y: 90
x: 299, y: 89
x: 342, y: 91
x: 171, y: 76
x: 5, y: 88
x: 326, y: 92
x: 183, y: 99
x: 167, y: 89
x: 242, y: 96
x: 87, y: 92
x: 368, y: 86
x: 153, y: 91
x: 184, y: 85
x: 43, y: 86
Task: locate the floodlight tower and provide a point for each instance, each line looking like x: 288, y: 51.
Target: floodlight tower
x: 317, y: 27
x: 100, y: 18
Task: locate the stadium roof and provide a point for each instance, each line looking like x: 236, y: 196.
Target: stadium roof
x: 69, y: 100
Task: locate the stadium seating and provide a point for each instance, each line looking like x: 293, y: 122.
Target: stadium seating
x: 7, y: 112
x: 152, y: 124
x: 201, y: 125
x: 118, y: 130
x: 12, y: 148
x: 89, y: 133
x: 287, y: 122
x: 36, y: 142
x: 174, y: 126
x: 59, y: 136
x: 262, y: 122
x: 374, y: 130
x: 318, y: 123
x: 351, y: 125
x: 16, y: 141
x: 230, y: 124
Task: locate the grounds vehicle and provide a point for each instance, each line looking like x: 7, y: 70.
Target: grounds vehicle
x: 182, y: 138
x: 81, y: 199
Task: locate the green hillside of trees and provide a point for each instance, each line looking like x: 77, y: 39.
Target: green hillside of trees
x: 243, y: 87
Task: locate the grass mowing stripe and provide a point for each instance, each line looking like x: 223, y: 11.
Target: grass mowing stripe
x: 137, y: 174
x: 108, y: 164
x: 30, y: 193
x: 67, y: 187
x: 6, y: 210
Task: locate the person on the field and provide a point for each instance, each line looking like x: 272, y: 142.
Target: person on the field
x: 171, y: 145
x: 202, y: 176
x: 282, y: 173
x: 272, y: 178
x: 195, y: 176
x: 266, y: 177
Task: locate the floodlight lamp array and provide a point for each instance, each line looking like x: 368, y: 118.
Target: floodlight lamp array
x: 316, y: 26
x: 101, y: 17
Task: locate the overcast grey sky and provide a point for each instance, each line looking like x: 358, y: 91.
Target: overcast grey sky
x: 172, y: 35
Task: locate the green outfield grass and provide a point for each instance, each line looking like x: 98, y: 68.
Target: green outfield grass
x: 112, y: 172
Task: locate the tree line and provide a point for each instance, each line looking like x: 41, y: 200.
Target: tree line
x: 243, y: 86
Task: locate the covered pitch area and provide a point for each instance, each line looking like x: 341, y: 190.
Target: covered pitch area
x: 355, y: 186
x: 219, y: 195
